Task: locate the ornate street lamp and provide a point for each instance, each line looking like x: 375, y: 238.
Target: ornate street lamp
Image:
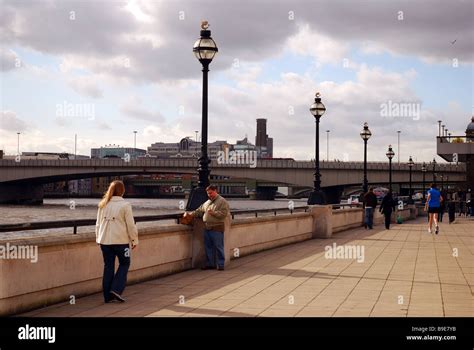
x: 204, y: 49
x: 390, y: 153
x: 365, y: 135
x: 317, y: 109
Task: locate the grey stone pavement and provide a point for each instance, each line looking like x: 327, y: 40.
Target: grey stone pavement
x: 406, y: 272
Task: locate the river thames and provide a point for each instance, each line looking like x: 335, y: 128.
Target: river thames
x: 86, y: 208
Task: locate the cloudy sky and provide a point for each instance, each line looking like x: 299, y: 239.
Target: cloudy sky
x: 102, y: 69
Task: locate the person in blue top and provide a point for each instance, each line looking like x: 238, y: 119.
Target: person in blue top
x: 432, y: 205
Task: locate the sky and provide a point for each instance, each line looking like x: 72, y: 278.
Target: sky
x: 103, y: 69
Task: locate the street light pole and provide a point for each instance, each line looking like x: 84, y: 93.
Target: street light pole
x: 204, y: 49
x: 423, y: 170
x: 439, y: 127
x: 317, y: 109
x: 365, y: 135
x: 135, y: 139
x: 327, y: 145
x: 398, y: 156
x: 18, y: 144
x: 390, y: 153
x: 410, y: 166
x: 434, y: 169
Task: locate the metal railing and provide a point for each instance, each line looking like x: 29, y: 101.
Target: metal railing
x: 74, y: 224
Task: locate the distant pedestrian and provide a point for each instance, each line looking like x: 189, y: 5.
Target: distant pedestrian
x: 115, y: 233
x: 442, y: 207
x: 370, y: 203
x: 387, y: 207
x: 433, y: 203
x: 451, y: 211
x: 462, y: 206
x: 470, y: 207
x: 213, y: 212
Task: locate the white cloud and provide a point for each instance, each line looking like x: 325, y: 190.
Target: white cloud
x: 133, y: 108
x: 9, y: 60
x: 9, y: 121
x: 322, y: 48
x: 285, y: 103
x: 86, y: 86
x: 157, y: 42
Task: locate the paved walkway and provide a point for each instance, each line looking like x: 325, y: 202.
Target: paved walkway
x: 406, y: 272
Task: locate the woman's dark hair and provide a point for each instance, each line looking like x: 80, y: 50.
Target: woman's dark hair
x: 389, y: 195
x: 433, y: 185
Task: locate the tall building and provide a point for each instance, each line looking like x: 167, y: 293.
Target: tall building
x: 261, y: 137
x: 263, y: 143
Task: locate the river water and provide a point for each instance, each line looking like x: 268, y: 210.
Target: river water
x: 86, y: 208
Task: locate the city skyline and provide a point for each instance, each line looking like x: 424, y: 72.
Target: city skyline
x: 117, y: 67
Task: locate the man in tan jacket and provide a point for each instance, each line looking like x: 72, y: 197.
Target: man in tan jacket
x: 213, y: 212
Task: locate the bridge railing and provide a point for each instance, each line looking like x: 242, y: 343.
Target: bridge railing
x: 74, y: 224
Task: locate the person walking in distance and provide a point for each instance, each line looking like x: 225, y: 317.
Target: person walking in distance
x: 370, y: 203
x: 432, y: 205
x: 115, y: 232
x: 387, y: 207
x: 213, y: 212
x: 442, y: 206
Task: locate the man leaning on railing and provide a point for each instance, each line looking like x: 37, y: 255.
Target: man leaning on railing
x: 213, y: 212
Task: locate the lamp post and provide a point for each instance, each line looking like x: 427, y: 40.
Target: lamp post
x: 434, y: 169
x: 390, y: 153
x: 18, y: 144
x: 410, y: 166
x: 365, y: 135
x: 327, y: 145
x: 439, y: 128
x: 398, y: 136
x: 204, y: 49
x: 442, y: 182
x: 135, y: 139
x: 442, y: 133
x: 423, y: 170
x: 317, y: 109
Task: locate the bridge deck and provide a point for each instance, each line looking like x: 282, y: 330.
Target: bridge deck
x: 406, y: 272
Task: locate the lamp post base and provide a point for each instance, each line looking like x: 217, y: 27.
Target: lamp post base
x: 316, y: 198
x: 197, y: 197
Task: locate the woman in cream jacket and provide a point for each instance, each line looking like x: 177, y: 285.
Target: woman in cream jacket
x: 115, y: 232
